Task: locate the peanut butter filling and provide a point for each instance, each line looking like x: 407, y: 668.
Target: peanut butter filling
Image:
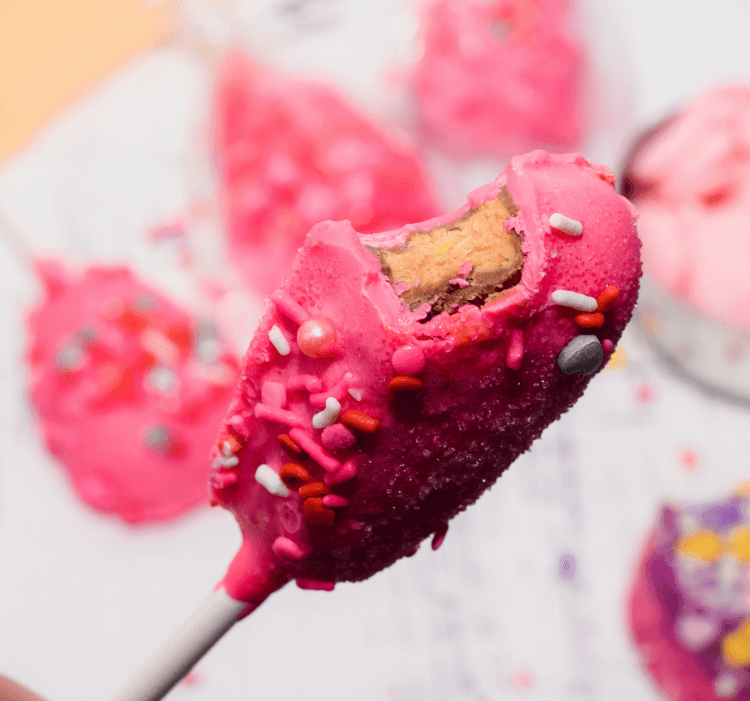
x: 469, y: 261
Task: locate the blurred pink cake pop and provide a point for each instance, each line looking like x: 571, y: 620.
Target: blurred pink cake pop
x: 499, y: 77
x: 292, y: 153
x: 130, y: 390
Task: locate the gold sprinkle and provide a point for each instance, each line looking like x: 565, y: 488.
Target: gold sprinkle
x: 443, y: 247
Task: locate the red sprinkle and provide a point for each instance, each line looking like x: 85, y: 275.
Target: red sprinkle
x: 313, y: 489
x: 315, y: 584
x: 606, y: 298
x: 316, y: 514
x: 234, y: 444
x: 589, y: 321
x: 294, y: 475
x: 402, y: 383
x: 289, y: 445
x: 360, y: 421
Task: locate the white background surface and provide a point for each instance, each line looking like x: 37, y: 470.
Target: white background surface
x: 86, y: 599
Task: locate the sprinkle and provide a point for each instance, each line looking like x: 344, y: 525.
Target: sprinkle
x: 316, y: 514
x: 316, y: 452
x: 444, y: 247
x: 266, y: 477
x: 704, y: 545
x: 281, y: 416
x: 317, y: 337
x: 314, y: 584
x: 221, y: 480
x: 329, y: 415
x: 735, y: 646
x: 726, y: 686
x: 465, y: 269
x: 287, y: 305
x: 522, y: 677
x: 360, y: 421
x: 307, y: 382
x: 289, y: 445
x: 689, y: 459
x: 439, y: 536
x: 606, y: 298
x: 402, y: 383
x: 574, y: 300
x: 337, y: 437
x: 69, y: 359
x: 515, y: 350
x: 566, y: 225
x: 644, y: 392
x: 739, y: 543
x: 286, y: 549
x: 589, y: 321
x: 279, y: 340
x: 696, y: 632
x: 224, y: 462
x: 273, y: 394
x: 408, y: 360
x: 335, y: 501
x: 583, y: 355
x: 607, y: 345
x: 459, y: 281
x: 337, y: 391
x: 313, y: 489
x: 294, y: 475
x: 229, y: 444
x: 356, y: 394
x: 347, y: 471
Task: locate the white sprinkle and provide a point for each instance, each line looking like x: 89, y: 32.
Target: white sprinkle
x: 266, y: 476
x: 224, y: 462
x: 574, y: 300
x: 279, y: 340
x: 566, y: 225
x: 726, y: 686
x: 356, y: 394
x: 328, y: 415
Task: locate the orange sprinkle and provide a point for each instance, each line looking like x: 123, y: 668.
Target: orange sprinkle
x: 606, y: 298
x: 316, y: 514
x: 289, y: 445
x: 402, y: 383
x: 234, y: 444
x: 589, y: 321
x: 360, y: 421
x: 294, y: 475
x: 313, y: 489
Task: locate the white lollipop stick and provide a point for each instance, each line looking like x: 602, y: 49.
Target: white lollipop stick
x: 180, y: 653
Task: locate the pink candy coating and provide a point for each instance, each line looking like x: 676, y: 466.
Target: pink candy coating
x: 408, y: 360
x: 317, y: 337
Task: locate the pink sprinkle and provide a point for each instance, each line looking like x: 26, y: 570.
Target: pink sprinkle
x: 346, y: 472
x: 607, y: 345
x: 221, y: 480
x: 337, y: 437
x: 408, y: 360
x: 192, y: 678
x: 515, y: 350
x: 465, y: 269
x: 459, y: 281
x: 689, y: 460
x: 522, y: 677
x: 644, y: 393
x: 315, y: 451
x: 334, y: 501
x: 401, y: 287
x: 273, y: 394
x: 338, y: 391
x: 287, y: 549
x: 306, y: 382
x: 315, y: 584
x: 287, y: 305
x: 439, y: 536
x: 282, y: 416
